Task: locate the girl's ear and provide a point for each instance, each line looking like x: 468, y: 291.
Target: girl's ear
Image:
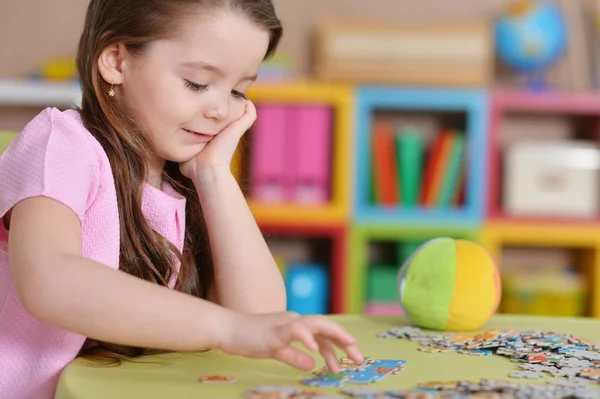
x: 111, y: 62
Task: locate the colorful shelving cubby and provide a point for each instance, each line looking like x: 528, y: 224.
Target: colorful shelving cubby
x: 363, y: 239
x: 515, y: 192
x: 326, y: 247
x: 266, y: 159
x: 460, y: 115
x: 583, y: 243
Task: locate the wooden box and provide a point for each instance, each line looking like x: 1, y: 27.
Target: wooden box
x: 423, y: 53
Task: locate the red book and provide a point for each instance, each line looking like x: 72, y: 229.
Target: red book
x: 383, y: 156
x: 435, y: 168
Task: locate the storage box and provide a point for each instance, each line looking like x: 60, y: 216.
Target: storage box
x: 549, y: 293
x: 422, y: 53
x: 382, y: 283
x: 551, y: 179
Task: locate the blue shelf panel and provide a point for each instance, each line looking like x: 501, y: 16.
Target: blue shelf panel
x: 467, y: 217
x: 472, y: 102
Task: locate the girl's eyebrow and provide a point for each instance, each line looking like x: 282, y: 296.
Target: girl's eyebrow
x: 204, y: 66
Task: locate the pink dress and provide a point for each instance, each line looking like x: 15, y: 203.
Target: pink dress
x: 56, y: 157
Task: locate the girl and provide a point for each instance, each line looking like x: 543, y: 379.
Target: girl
x: 122, y: 223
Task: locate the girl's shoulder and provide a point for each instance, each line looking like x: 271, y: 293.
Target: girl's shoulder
x: 57, y: 157
x: 64, y: 127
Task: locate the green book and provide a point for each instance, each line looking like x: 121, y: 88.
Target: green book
x: 410, y: 150
x: 452, y: 173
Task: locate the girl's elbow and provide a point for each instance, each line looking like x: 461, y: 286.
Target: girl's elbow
x: 32, y: 291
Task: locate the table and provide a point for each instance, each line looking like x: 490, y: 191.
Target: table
x: 177, y: 375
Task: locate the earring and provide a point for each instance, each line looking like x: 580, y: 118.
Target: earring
x: 111, y: 92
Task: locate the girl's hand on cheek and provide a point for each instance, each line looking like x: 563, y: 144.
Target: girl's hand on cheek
x: 216, y: 156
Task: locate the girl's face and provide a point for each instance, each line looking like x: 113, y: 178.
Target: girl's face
x: 185, y: 90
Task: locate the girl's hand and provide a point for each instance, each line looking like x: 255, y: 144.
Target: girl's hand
x: 219, y: 151
x: 271, y: 336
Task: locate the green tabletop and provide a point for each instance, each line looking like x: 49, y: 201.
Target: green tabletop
x: 177, y: 375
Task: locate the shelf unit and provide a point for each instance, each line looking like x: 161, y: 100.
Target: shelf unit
x: 338, y: 238
x: 29, y: 93
x: 362, y: 234
x: 352, y: 223
x: 341, y: 99
x: 471, y: 102
x: 503, y: 103
x: 495, y: 235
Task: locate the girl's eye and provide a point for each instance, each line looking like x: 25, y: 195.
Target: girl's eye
x: 195, y: 86
x: 238, y: 94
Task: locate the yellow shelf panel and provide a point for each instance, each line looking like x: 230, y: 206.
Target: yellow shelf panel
x: 331, y: 214
x: 294, y: 91
x: 546, y: 234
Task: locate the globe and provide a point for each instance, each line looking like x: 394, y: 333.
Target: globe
x: 530, y: 37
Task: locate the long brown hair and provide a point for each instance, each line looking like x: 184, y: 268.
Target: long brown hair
x: 144, y: 252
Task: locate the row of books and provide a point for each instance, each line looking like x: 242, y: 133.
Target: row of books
x: 407, y: 171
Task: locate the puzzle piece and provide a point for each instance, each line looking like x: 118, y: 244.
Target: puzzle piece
x: 591, y: 373
x: 323, y: 382
x: 271, y: 392
x: 367, y: 372
x: 217, y: 379
x: 559, y: 355
x: 527, y: 374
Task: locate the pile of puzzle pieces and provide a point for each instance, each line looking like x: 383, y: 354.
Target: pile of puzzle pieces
x: 538, y: 352
x: 572, y: 388
x: 366, y: 372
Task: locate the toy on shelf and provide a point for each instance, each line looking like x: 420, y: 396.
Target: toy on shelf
x: 530, y: 37
x: 290, y: 157
x: 552, y: 179
x: 449, y: 284
x: 314, y: 246
x: 58, y: 69
x: 544, y: 291
x: 276, y: 69
x: 418, y: 53
x: 307, y: 288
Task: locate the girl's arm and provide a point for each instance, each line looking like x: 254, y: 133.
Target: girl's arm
x: 247, y: 278
x: 60, y: 287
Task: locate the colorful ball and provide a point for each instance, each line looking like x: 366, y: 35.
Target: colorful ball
x: 449, y: 285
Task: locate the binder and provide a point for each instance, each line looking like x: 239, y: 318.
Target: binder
x: 311, y: 148
x: 269, y: 163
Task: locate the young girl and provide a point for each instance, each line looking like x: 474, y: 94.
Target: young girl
x: 123, y: 230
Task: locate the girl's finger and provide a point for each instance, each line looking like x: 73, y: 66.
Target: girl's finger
x: 295, y: 358
x: 295, y: 331
x: 245, y: 122
x: 354, y: 353
x: 320, y: 325
x: 327, y: 350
